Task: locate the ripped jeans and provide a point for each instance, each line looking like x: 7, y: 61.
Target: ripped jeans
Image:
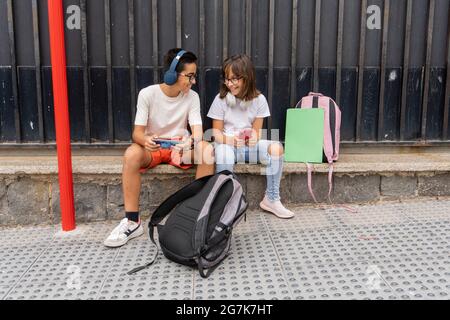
x: 226, y: 156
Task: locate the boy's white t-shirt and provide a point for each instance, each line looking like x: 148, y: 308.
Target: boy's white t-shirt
x: 166, y: 116
x: 240, y: 116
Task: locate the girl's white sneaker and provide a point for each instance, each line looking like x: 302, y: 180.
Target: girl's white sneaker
x: 276, y: 207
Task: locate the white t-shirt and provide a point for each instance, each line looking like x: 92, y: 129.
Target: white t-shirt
x: 240, y: 116
x: 166, y: 116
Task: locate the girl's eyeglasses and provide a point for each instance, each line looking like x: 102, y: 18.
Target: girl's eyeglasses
x: 191, y: 77
x: 232, y: 80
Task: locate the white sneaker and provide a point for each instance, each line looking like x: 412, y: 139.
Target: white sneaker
x: 276, y: 207
x: 125, y: 231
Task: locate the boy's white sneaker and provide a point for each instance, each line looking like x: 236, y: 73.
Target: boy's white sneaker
x: 125, y: 231
x: 276, y: 207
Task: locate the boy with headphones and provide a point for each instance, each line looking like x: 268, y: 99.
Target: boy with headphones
x: 163, y: 112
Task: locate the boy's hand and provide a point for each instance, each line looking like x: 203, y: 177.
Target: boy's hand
x: 151, y: 145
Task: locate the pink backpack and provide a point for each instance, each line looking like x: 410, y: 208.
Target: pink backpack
x: 332, y: 134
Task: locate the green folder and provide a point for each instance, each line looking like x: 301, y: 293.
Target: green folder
x: 304, y: 135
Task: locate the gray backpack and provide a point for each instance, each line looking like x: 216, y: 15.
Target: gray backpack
x: 202, y: 216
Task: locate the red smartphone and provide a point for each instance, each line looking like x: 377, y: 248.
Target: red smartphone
x: 245, y: 134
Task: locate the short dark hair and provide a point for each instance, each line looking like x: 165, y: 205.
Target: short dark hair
x: 188, y: 57
x: 241, y: 66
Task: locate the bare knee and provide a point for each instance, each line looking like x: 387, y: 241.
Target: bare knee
x: 276, y: 149
x: 134, y: 157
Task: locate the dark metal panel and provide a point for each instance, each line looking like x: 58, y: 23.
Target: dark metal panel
x: 405, y: 70
x: 248, y: 27
x: 47, y: 101
x: 213, y: 33
x: 260, y: 33
x: 445, y: 134
x: 427, y: 68
x: 327, y: 82
x: 109, y: 81
x: 23, y: 31
x: 225, y: 28
x: 29, y: 119
x: 76, y: 103
x: 316, y: 45
x: 144, y: 77
x: 305, y: 35
x: 5, y: 58
x: 439, y: 46
x: 283, y: 32
x: 143, y: 32
x: 340, y: 30
x: 436, y: 104
x: 412, y: 129
x: 396, y: 34
x: 271, y: 57
x: 361, y: 64
x: 420, y: 11
x: 391, y: 106
x: 348, y: 103
x: 201, y: 72
x: 292, y: 80
x: 155, y: 40
x: 44, y: 37
x: 328, y: 33
x: 384, y: 48
x: 96, y: 33
x: 280, y: 102
x: 167, y: 37
x: 119, y: 33
x: 72, y: 36
x: 303, y: 81
x: 99, y: 104
x: 121, y: 102
x: 86, y: 74
x: 236, y: 27
x: 178, y: 22
x: 370, y: 103
x: 14, y: 77
x: 7, y: 108
x: 37, y: 65
x: 132, y: 57
x: 352, y: 31
x: 190, y: 26
x: 373, y: 36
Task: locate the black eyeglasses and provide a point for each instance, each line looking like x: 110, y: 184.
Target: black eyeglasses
x: 232, y: 80
x: 191, y: 76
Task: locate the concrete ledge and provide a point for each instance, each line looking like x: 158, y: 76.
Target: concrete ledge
x: 29, y: 189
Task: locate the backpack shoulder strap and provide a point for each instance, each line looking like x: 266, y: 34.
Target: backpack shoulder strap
x: 186, y: 192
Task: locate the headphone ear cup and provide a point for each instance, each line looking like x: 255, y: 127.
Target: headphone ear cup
x: 170, y: 78
x: 230, y: 99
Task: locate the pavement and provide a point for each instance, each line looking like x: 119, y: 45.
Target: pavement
x: 390, y: 250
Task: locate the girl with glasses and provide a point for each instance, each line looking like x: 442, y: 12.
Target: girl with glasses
x: 238, y: 113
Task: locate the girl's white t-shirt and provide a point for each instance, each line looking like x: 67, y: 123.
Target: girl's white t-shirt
x: 166, y: 116
x: 241, y: 115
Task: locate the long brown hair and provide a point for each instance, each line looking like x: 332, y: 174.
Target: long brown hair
x: 242, y: 67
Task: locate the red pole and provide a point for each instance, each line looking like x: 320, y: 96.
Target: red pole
x: 58, y: 58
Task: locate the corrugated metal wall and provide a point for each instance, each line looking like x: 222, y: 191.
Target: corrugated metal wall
x: 116, y: 47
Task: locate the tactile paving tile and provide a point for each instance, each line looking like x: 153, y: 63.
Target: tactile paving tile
x: 418, y: 278
x: 427, y: 210
x: 17, y: 259
x: 250, y: 251
x: 402, y: 240
x: 257, y: 284
x: 315, y: 247
x: 370, y: 215
x: 35, y: 234
x: 343, y: 281
x: 60, y: 263
x: 3, y: 291
x: 304, y: 219
x: 158, y: 286
x: 254, y: 222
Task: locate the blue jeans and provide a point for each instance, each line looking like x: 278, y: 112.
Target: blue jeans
x: 226, y: 156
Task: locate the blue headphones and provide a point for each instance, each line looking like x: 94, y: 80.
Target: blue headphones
x: 171, y: 75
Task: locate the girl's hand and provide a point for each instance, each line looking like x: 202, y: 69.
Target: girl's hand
x: 151, y: 145
x: 185, y: 145
x: 239, y: 143
x: 253, y: 140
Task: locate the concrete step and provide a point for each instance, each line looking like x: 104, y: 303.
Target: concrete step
x: 29, y: 189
